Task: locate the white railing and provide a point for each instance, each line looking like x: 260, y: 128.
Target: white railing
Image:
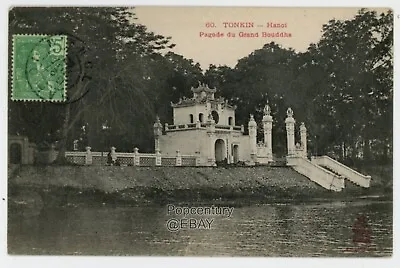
x: 132, y: 159
x: 343, y: 170
x: 198, y: 125
x: 317, y: 174
x: 180, y: 127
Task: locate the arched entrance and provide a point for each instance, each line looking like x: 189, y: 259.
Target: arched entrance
x: 201, y: 117
x: 215, y: 116
x: 235, y: 153
x: 15, y: 153
x: 219, y: 150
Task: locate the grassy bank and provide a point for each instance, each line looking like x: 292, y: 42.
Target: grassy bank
x: 68, y: 185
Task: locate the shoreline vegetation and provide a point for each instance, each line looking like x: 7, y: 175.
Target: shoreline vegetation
x: 32, y: 187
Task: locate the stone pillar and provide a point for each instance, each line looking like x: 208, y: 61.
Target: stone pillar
x: 290, y: 132
x: 158, y: 158
x: 198, y: 159
x: 88, y: 156
x: 157, y: 127
x: 303, y: 139
x: 52, y: 153
x: 267, y: 126
x: 113, y: 154
x: 32, y: 153
x: 178, y: 158
x: 25, y: 151
x: 253, y: 139
x: 136, y: 159
x: 210, y: 125
x: 76, y: 145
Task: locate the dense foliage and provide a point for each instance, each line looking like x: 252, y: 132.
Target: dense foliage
x: 341, y: 87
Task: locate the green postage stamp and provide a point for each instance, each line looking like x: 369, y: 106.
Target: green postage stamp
x: 39, y: 68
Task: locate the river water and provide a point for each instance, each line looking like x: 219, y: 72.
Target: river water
x: 301, y: 230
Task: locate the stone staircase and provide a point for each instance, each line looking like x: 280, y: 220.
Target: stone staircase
x: 342, y: 170
x: 322, y: 176
x: 327, y: 172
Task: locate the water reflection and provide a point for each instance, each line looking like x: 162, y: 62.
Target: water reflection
x: 323, y: 229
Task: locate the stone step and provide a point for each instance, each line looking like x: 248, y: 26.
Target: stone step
x: 331, y: 170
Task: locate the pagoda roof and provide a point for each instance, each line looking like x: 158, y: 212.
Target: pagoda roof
x: 203, y: 87
x: 185, y: 102
x: 201, y: 98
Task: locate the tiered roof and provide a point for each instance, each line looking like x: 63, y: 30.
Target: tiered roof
x: 201, y: 95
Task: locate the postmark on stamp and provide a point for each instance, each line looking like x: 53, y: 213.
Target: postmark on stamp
x: 39, y: 68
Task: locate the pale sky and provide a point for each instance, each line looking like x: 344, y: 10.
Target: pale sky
x: 184, y: 25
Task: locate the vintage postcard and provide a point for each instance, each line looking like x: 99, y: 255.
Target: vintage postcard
x: 200, y: 131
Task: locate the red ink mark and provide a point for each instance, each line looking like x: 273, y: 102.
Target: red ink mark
x: 361, y: 236
x: 361, y: 230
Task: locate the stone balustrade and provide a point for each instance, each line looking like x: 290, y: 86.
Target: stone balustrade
x: 132, y: 159
x: 319, y: 175
x: 198, y: 125
x: 343, y: 170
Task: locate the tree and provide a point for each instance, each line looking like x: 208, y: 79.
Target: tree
x: 102, y: 43
x: 342, y: 87
x: 355, y: 56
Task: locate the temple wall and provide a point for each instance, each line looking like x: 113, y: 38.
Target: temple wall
x: 244, y: 148
x: 182, y: 114
x: 190, y: 141
x: 186, y: 141
x: 224, y: 114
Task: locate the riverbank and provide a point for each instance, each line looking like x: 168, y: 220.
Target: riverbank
x: 117, y: 185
